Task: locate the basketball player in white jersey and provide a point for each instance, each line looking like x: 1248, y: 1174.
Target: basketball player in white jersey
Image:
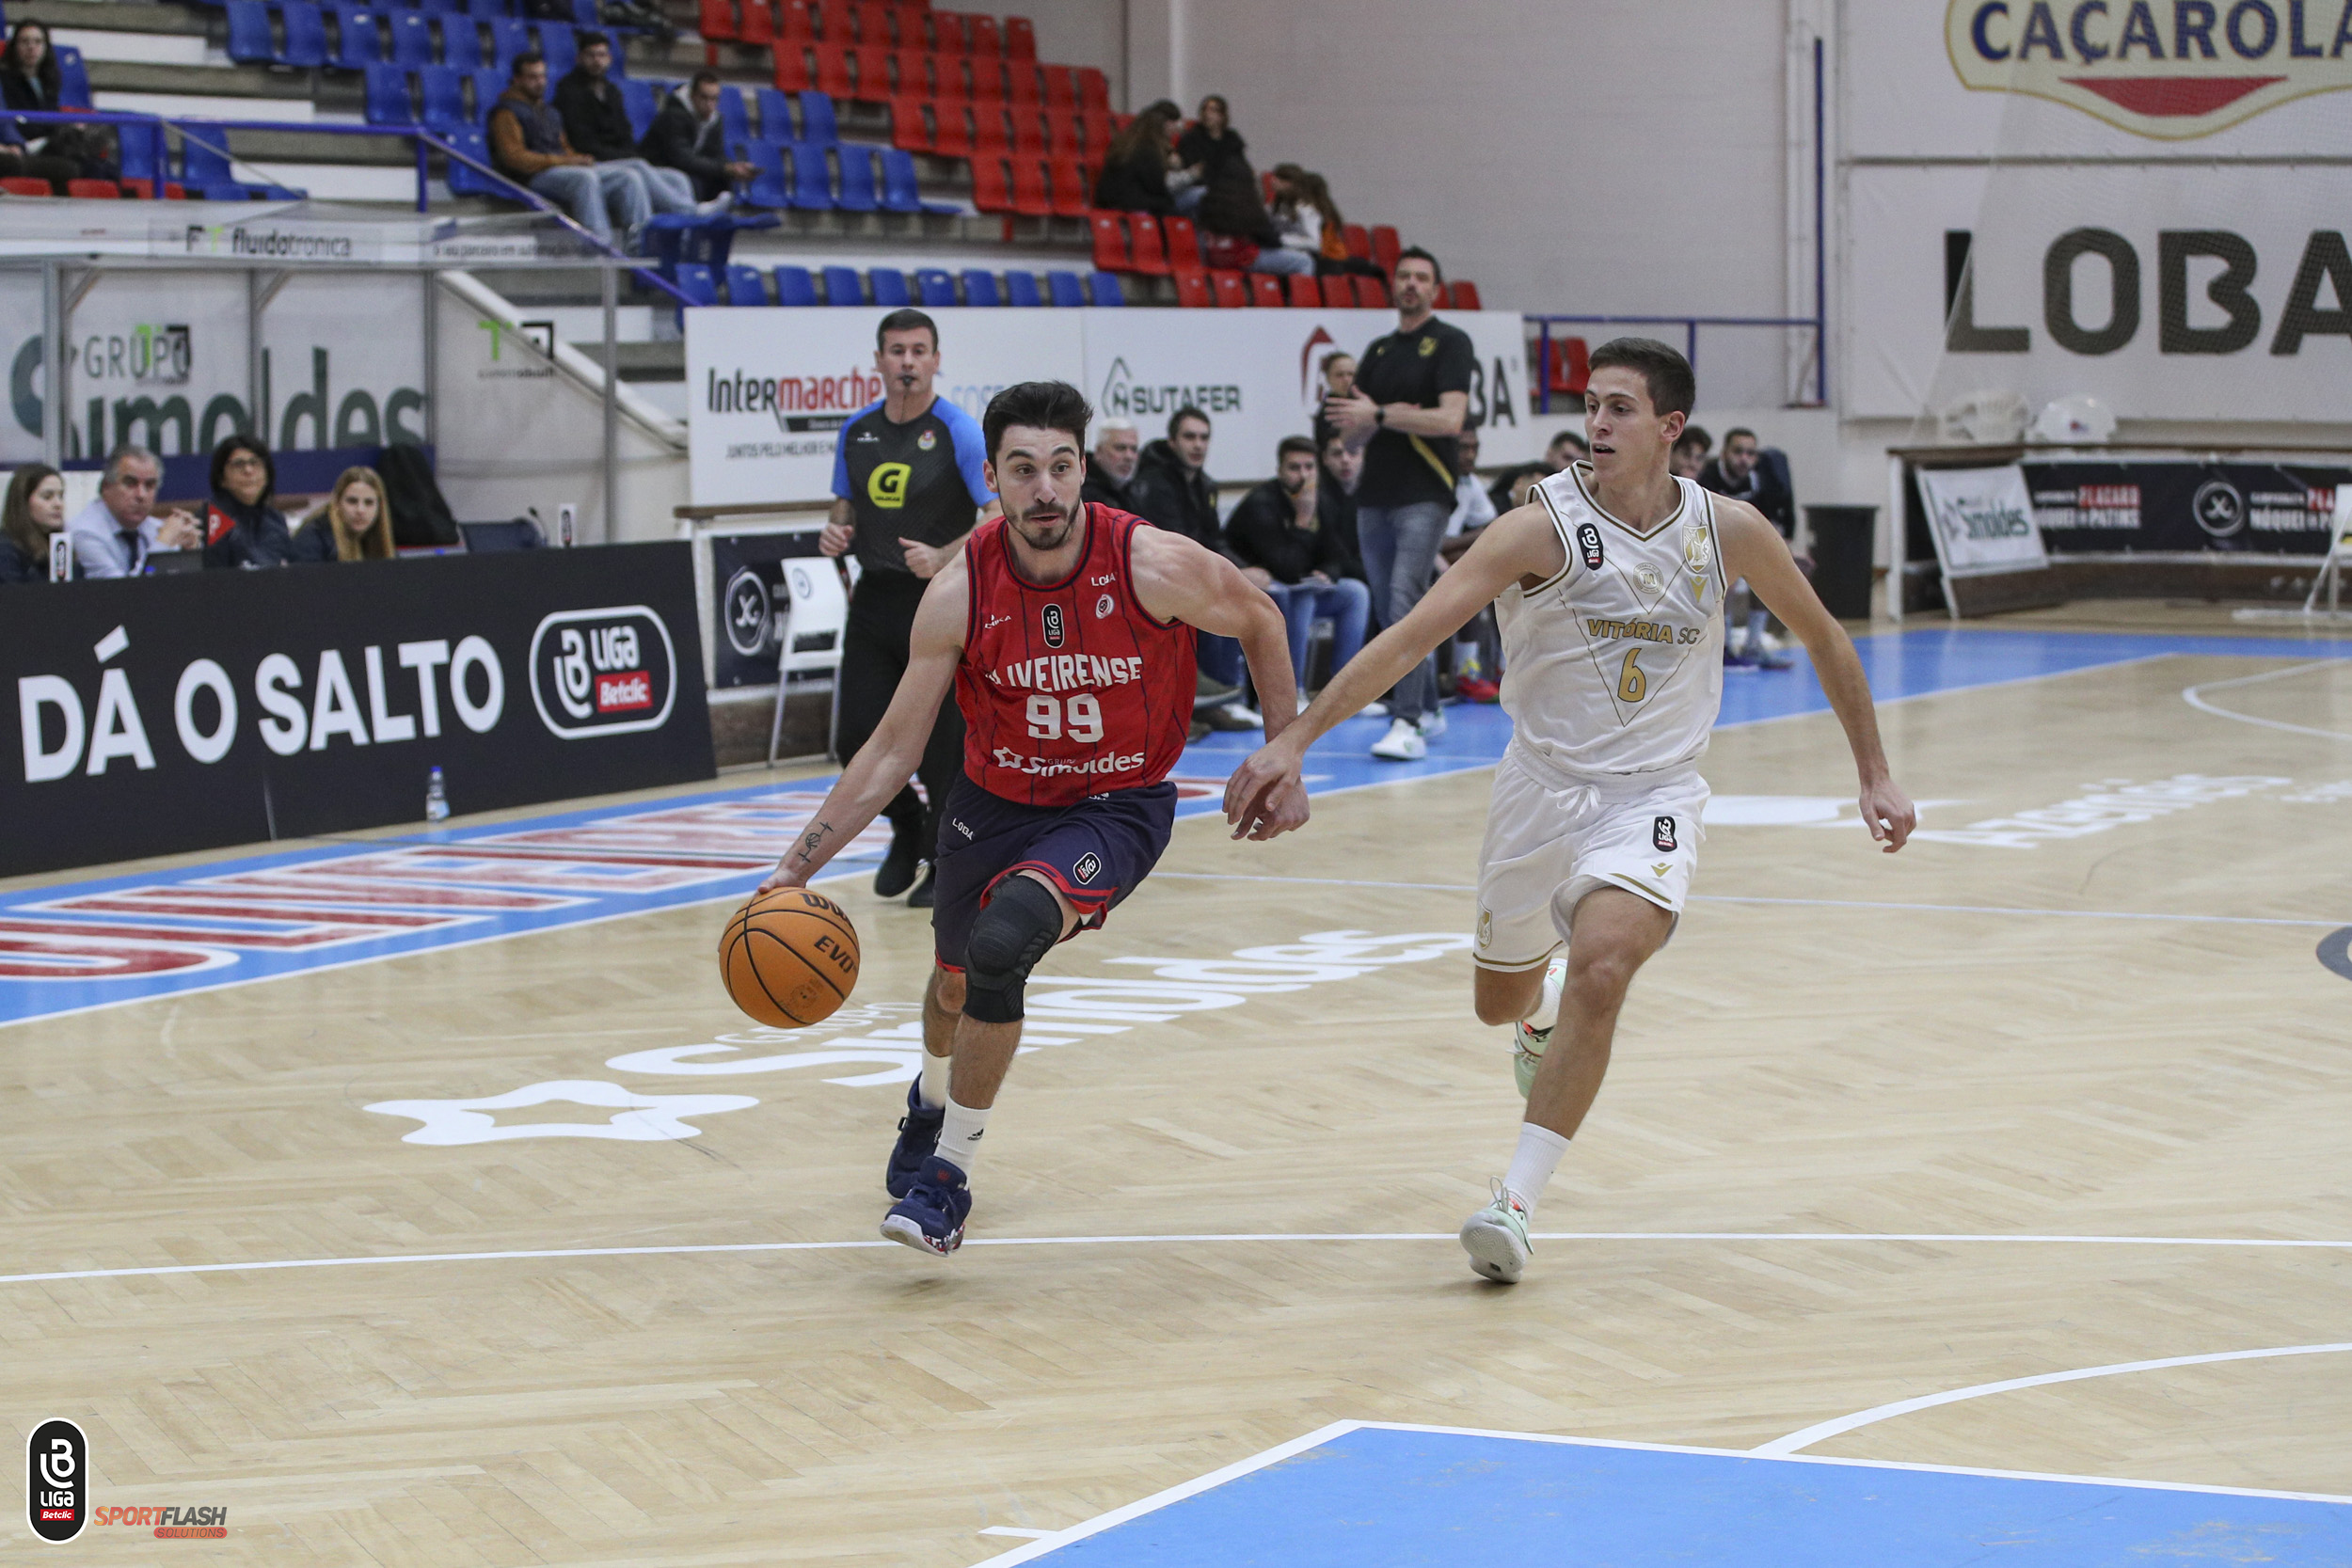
x: 1611, y: 584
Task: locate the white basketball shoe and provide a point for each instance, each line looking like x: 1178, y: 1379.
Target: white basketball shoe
x: 1496, y: 1238
x: 1528, y: 1042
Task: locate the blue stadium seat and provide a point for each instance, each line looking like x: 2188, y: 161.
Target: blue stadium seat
x: 584, y: 15
x: 857, y: 178
x: 509, y: 36
x: 844, y: 287
x: 768, y: 187
x: 387, y: 96
x: 357, y: 43
x: 73, y: 78
x: 637, y: 101
x: 812, y: 179
x: 488, y: 10
x: 412, y: 38
x: 745, y: 286
x: 1064, y: 290
x: 618, y: 69
x: 461, y: 42
x: 249, y: 39
x: 441, y: 7
x: 444, y: 98
x: 204, y: 165
x: 487, y: 85
x: 890, y: 287
x: 980, y: 288
x: 556, y: 43
x: 775, y: 116
x: 141, y: 153
x: 899, y: 194
x: 935, y: 287
x: 304, y: 48
x: 816, y: 121
x: 464, y: 181
x: 736, y: 125
x: 1107, y: 289
x: 1021, y: 288
x: 794, y: 286
x: 695, y: 282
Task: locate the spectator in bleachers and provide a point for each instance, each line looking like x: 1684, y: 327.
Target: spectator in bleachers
x: 1117, y: 445
x: 528, y: 145
x: 1759, y: 476
x: 114, y: 534
x: 30, y: 79
x: 595, y: 122
x: 1343, y: 468
x: 1478, y: 647
x: 1689, y: 456
x: 1510, y: 490
x: 1281, y: 538
x: 1339, y: 381
x: 1236, y: 231
x: 33, y: 514
x: 1173, y: 490
x: 241, y: 527
x: 355, y: 524
x: 687, y: 136
x: 1136, y: 166
x: 1308, y: 222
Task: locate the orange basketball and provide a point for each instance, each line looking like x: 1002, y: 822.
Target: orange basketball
x: 789, y: 958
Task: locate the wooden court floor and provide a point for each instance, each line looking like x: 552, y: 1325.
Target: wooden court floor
x: 2123, y: 1033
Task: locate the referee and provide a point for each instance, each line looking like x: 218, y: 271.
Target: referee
x: 908, y: 486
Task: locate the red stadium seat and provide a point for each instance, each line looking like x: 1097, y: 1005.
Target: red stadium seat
x: 912, y: 68
x: 991, y: 138
x: 947, y: 34
x: 1031, y: 197
x: 1073, y: 190
x: 910, y: 127
x: 758, y: 25
x: 947, y: 74
x: 1192, y: 289
x: 869, y: 24
x: 794, y: 21
x: 1358, y: 243
x: 832, y: 70
x: 1099, y: 128
x: 872, y: 62
x: 1465, y: 295
x: 1061, y: 134
x: 1265, y: 289
x: 1371, y: 293
x: 792, y: 73
x: 1184, y: 243
x: 1094, y: 90
x: 1232, y: 289
x: 951, y: 135
x: 1571, y: 366
x: 991, y: 191
x: 21, y: 184
x: 986, y: 40
x: 1061, y: 87
x: 988, y: 78
x: 1143, y: 235
x: 912, y: 24
x: 717, y: 23
x: 1110, y: 244
x: 94, y: 190
x: 1384, y: 247
x: 1028, y: 130
x: 1020, y: 37
x: 1023, y: 83
x: 1304, y: 293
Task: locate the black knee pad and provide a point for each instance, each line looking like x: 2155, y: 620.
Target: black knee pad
x: 1020, y: 925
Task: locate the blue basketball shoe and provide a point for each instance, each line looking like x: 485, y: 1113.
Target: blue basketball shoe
x: 930, y: 1217
x: 918, y: 1136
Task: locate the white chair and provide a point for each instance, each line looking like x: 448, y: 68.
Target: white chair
x: 809, y: 623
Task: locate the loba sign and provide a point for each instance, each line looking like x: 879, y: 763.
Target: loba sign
x: 164, y: 714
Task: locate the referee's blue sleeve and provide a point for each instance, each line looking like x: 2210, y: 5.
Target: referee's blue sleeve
x: 841, y: 461
x: 970, y: 451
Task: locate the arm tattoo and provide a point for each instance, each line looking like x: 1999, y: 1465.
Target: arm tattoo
x: 815, y: 836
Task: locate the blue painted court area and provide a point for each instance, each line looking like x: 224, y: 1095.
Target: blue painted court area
x: 69, y: 946
x: 1390, y: 1496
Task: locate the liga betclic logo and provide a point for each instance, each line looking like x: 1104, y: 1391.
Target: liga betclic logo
x: 57, y: 1495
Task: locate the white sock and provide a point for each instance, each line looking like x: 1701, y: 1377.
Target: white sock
x: 960, y: 1135
x: 1538, y: 1156
x: 932, y: 1092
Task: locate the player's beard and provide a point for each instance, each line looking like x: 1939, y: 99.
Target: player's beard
x: 1044, y: 532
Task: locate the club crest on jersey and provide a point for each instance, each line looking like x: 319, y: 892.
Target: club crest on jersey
x: 1089, y: 867
x: 1647, y: 575
x: 1053, y: 625
x: 1103, y: 606
x: 925, y: 442
x: 1661, y: 834
x: 1698, y: 549
x: 1588, y: 545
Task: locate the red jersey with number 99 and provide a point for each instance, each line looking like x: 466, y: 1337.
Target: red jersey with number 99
x: 1070, y: 689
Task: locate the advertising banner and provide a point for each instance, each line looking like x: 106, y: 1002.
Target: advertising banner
x: 750, y: 586
x: 769, y: 388
x: 154, y: 715
x: 2257, y: 508
x: 1983, y: 519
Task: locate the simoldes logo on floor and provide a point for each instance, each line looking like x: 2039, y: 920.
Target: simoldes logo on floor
x: 603, y: 672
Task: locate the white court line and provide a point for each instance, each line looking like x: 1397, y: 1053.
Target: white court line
x: 1810, y: 903
x: 1197, y: 1239
x: 2194, y: 697
x: 1823, y: 1431
x: 1341, y: 1429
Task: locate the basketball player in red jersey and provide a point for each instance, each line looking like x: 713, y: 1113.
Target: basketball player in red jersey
x: 1067, y: 629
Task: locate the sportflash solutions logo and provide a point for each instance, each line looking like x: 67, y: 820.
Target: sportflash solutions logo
x: 56, y: 1494
x: 603, y: 672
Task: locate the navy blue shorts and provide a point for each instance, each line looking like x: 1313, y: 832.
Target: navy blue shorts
x: 1095, y: 851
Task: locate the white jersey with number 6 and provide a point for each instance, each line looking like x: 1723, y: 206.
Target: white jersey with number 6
x: 1614, y: 668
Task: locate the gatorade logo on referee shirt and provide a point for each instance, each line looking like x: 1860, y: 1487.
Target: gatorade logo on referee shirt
x: 886, y: 487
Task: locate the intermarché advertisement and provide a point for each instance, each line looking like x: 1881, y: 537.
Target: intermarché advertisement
x: 187, y: 712
x: 768, y: 389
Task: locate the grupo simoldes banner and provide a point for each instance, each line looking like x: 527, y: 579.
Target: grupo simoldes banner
x: 154, y: 715
x: 768, y: 389
x: 1983, y: 519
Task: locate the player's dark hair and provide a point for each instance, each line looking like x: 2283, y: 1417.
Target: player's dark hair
x: 907, y: 321
x: 1415, y: 253
x: 1186, y: 412
x: 1672, y: 386
x: 1291, y: 444
x: 1039, y: 405
x: 1736, y: 431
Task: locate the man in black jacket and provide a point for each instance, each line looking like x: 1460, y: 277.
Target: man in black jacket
x: 686, y: 136
x: 1279, y: 536
x: 1117, y: 449
x: 1173, y: 490
x: 595, y: 122
x: 1759, y: 476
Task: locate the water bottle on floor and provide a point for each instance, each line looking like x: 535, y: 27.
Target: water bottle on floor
x: 435, y: 798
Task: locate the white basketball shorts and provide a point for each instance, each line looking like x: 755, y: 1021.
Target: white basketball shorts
x: 1550, y: 842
